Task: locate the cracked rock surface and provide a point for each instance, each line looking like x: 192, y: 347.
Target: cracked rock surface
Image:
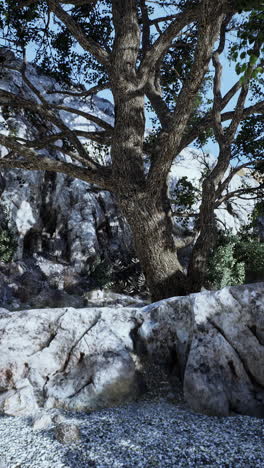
x: 95, y: 357
x: 76, y: 359
x: 213, y: 340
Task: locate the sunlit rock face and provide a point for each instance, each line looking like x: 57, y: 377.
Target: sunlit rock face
x: 67, y: 358
x: 94, y: 357
x: 215, y: 342
x: 52, y: 213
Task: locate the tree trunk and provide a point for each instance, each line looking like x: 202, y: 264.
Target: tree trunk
x: 198, y: 266
x: 146, y: 212
x: 154, y: 245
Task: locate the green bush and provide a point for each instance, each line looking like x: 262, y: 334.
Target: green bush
x: 7, y: 241
x: 224, y: 267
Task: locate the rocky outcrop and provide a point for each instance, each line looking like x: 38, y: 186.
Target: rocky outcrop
x: 73, y: 359
x: 89, y: 358
x: 214, y: 340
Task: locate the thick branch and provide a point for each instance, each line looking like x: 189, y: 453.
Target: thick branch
x: 170, y: 141
x: 218, y: 128
x: 89, y: 92
x: 236, y: 194
x: 35, y: 161
x: 86, y: 115
x: 162, y: 44
x: 154, y: 94
x: 146, y: 26
x: 218, y: 101
x: 85, y: 42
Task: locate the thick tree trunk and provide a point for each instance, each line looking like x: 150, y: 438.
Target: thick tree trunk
x: 145, y: 210
x: 155, y: 247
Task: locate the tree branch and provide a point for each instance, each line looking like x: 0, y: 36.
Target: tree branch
x: 47, y: 113
x: 207, y: 122
x: 33, y: 161
x: 218, y: 101
x: 162, y: 19
x: 154, y: 94
x: 170, y: 141
x: 89, y: 92
x: 146, y: 27
x: 85, y: 42
x: 28, y: 3
x: 103, y: 138
x: 162, y: 44
x: 86, y: 115
x: 228, y: 179
x: 236, y: 193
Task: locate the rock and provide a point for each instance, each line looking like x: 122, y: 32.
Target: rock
x: 3, y: 463
x: 42, y: 421
x: 90, y: 358
x: 67, y: 433
x: 19, y: 399
x: 51, y: 297
x: 103, y: 298
x: 76, y: 359
x: 215, y: 342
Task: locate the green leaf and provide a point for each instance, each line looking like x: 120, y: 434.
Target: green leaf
x: 243, y: 67
x: 253, y: 59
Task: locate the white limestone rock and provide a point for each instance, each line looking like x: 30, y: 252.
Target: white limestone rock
x: 76, y: 359
x: 215, y: 339
x: 89, y: 358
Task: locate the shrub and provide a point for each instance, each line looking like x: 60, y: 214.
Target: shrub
x: 7, y: 241
x: 224, y: 267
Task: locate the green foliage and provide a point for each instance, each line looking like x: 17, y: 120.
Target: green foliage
x: 237, y: 256
x: 247, y: 5
x: 250, y: 138
x: 251, y: 252
x: 7, y: 241
x: 56, y: 52
x: 224, y: 269
x: 184, y: 194
x: 246, y: 51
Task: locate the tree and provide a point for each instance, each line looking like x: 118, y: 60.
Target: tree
x: 166, y: 59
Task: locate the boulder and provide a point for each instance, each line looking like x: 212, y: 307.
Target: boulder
x: 76, y: 359
x: 91, y: 358
x: 215, y: 342
x: 67, y: 433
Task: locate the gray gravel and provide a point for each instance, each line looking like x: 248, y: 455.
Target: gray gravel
x: 146, y: 434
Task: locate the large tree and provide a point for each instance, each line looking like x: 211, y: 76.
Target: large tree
x: 126, y: 46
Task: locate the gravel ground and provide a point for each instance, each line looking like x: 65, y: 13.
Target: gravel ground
x: 146, y: 433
